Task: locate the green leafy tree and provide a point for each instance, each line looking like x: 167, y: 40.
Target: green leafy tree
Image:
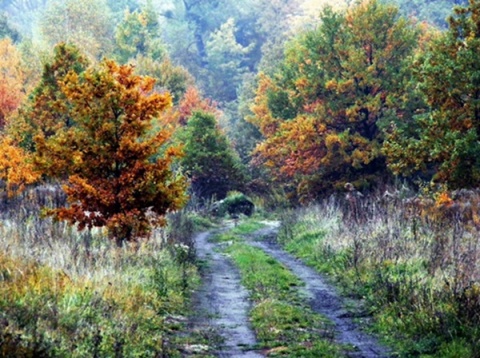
x: 168, y: 76
x: 443, y: 142
x: 226, y: 62
x: 322, y: 113
x: 211, y: 163
x: 139, y: 34
x: 120, y: 173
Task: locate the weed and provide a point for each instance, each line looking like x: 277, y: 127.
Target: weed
x: 65, y: 293
x: 413, y: 262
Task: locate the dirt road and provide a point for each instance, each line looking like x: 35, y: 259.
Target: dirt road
x: 223, y: 303
x: 323, y: 298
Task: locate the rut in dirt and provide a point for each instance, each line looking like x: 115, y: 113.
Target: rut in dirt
x: 323, y: 298
x: 222, y: 302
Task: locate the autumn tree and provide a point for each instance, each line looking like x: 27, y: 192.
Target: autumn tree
x: 193, y: 102
x: 11, y: 79
x: 443, y: 141
x: 210, y: 162
x: 119, y: 175
x: 321, y: 114
x: 16, y: 167
x: 47, y: 111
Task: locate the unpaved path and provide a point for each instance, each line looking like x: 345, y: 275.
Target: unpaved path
x: 223, y: 302
x: 323, y: 298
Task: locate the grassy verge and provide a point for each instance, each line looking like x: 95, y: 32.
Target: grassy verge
x: 65, y: 293
x: 247, y: 227
x: 284, y: 325
x: 417, y: 275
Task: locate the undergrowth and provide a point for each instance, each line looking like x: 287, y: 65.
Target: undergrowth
x: 415, y: 269
x: 65, y: 293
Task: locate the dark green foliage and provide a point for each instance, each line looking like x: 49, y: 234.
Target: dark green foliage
x: 234, y: 204
x: 445, y: 139
x: 211, y: 163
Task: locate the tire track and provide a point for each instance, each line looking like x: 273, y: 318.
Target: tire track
x: 222, y: 302
x: 324, y: 298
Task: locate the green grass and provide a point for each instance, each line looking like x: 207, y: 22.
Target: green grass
x: 247, y: 227
x: 65, y: 293
x: 283, y: 323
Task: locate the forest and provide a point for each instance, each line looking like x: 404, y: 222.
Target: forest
x: 322, y: 155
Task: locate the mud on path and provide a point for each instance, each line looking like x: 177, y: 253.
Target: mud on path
x: 323, y: 298
x: 222, y: 302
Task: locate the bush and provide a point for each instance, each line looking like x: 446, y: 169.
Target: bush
x: 234, y: 204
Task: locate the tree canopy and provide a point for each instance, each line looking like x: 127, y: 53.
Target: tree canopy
x: 321, y: 114
x: 213, y: 167
x: 443, y: 140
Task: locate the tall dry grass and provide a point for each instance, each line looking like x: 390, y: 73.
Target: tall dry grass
x: 65, y: 293
x: 413, y: 260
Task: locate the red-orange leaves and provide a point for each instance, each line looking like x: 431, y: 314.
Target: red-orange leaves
x: 120, y: 172
x: 11, y: 79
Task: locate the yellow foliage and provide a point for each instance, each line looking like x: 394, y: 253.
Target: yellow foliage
x: 15, y: 167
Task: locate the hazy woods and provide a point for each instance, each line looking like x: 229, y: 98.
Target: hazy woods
x: 116, y: 115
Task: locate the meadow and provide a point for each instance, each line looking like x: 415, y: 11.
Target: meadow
x: 65, y: 293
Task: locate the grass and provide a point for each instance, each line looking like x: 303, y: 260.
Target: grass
x: 416, y: 272
x: 247, y: 227
x: 283, y: 323
x: 65, y: 293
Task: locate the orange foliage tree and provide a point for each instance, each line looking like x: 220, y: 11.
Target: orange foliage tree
x: 16, y: 169
x: 119, y: 170
x: 321, y: 114
x: 11, y: 79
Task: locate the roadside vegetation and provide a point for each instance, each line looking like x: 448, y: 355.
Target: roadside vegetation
x: 413, y: 262
x: 65, y: 293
